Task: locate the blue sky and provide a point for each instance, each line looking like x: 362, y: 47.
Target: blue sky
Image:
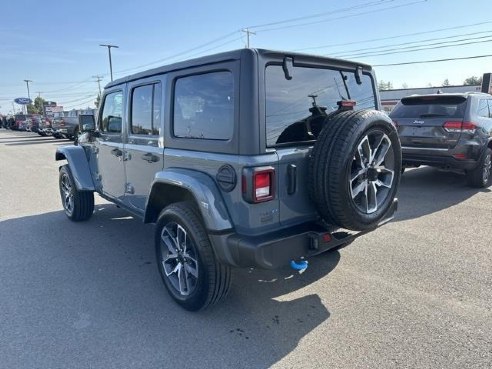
x: 56, y: 44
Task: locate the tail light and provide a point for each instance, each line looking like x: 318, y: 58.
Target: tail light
x: 346, y: 104
x: 468, y: 127
x: 459, y: 156
x: 258, y: 184
x: 460, y: 127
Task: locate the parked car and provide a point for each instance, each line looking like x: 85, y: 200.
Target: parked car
x: 19, y: 122
x: 249, y: 158
x: 450, y: 131
x: 45, y: 127
x: 35, y: 123
x: 65, y: 127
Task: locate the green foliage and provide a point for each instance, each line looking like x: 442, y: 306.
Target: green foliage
x: 446, y: 82
x: 473, y: 81
x: 38, y: 104
x: 31, y: 109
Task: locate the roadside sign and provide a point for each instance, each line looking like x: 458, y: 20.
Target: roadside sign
x: 23, y: 101
x: 50, y: 111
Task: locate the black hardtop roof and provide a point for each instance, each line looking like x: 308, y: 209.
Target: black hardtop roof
x: 234, y: 55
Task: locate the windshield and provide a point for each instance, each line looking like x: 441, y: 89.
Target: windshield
x: 307, y: 98
x: 430, y: 106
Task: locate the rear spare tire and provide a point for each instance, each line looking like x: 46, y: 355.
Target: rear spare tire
x: 355, y: 169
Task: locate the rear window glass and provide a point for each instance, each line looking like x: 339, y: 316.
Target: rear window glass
x: 306, y: 99
x: 430, y: 106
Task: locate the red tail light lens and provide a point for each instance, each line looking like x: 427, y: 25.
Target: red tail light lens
x: 469, y: 127
x: 453, y: 126
x: 346, y: 104
x: 258, y: 184
x: 458, y: 127
x: 262, y: 185
x: 459, y: 156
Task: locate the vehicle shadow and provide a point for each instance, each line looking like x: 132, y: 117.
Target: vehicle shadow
x: 100, y: 276
x: 427, y: 190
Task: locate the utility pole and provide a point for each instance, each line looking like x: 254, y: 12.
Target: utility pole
x: 27, y: 83
x: 28, y: 94
x: 98, y: 80
x: 248, y: 32
x: 109, y: 54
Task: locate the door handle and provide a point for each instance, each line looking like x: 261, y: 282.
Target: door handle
x: 117, y: 152
x: 150, y: 158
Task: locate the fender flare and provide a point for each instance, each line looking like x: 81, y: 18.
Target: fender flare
x: 173, y: 185
x: 79, y: 166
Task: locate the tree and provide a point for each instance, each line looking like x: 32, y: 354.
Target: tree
x: 38, y: 104
x: 385, y: 85
x: 404, y: 85
x: 31, y: 109
x: 473, y: 81
x: 446, y: 82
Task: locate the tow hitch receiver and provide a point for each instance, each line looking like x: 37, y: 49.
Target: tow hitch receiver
x: 318, y: 240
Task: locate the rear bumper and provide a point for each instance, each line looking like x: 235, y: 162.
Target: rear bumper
x: 442, y: 158
x: 277, y: 249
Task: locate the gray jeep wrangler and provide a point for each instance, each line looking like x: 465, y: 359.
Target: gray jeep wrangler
x: 249, y: 158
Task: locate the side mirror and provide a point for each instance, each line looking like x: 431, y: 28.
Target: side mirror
x: 87, y: 123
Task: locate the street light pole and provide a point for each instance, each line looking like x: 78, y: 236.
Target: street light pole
x: 109, y: 53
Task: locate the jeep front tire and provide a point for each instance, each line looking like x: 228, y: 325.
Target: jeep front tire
x: 78, y: 205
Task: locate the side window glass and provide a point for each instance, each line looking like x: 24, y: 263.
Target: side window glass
x: 483, y: 109
x: 157, y: 114
x: 146, y: 110
x: 204, y: 106
x: 111, y: 114
x: 490, y: 108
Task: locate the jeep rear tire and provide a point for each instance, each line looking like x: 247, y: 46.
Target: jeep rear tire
x: 186, y: 261
x: 78, y: 205
x: 355, y: 169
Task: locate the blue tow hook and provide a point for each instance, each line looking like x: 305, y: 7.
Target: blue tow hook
x: 301, y: 265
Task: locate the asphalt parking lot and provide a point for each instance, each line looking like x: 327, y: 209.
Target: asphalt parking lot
x: 416, y: 293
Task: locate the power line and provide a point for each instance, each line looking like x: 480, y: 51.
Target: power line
x: 373, y: 3
x: 417, y: 48
x: 343, y: 17
x: 81, y: 103
x: 394, y: 37
x: 178, y: 54
x: 419, y: 43
x: 62, y: 102
x: 317, y: 15
x: 433, y: 61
